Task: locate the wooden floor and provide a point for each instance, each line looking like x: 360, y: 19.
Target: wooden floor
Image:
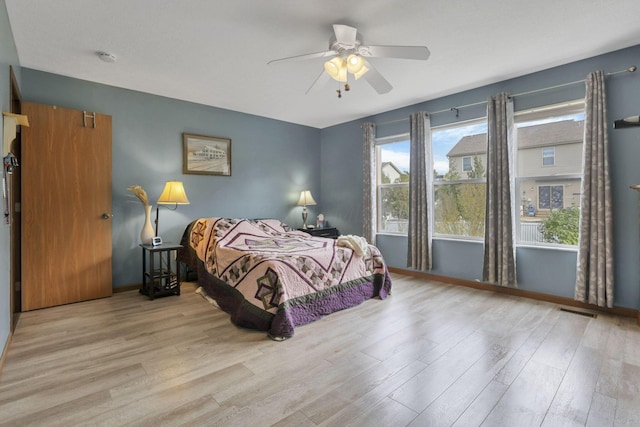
x: 430, y: 355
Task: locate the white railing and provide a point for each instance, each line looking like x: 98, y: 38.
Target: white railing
x: 530, y: 232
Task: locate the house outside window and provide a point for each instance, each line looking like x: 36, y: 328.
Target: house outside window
x: 392, y: 174
x: 459, y: 186
x: 548, y: 156
x: 549, y: 191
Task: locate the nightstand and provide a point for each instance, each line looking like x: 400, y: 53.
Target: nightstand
x: 162, y: 277
x: 329, y: 232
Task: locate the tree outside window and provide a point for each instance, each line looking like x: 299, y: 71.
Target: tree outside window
x: 459, y: 197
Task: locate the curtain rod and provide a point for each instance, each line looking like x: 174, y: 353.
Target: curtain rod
x: 630, y: 69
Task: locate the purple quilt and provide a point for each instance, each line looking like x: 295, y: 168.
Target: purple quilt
x: 272, y: 278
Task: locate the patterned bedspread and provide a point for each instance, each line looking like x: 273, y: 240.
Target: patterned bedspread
x: 270, y: 277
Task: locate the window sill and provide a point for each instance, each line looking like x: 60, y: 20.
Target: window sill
x: 465, y: 239
x: 548, y: 247
x: 388, y: 233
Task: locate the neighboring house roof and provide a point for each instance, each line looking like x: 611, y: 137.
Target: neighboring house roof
x: 556, y: 133
x: 469, y: 145
x: 385, y: 165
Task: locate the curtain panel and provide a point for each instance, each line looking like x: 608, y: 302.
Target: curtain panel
x: 421, y: 176
x: 369, y: 182
x: 499, y: 245
x: 594, y: 275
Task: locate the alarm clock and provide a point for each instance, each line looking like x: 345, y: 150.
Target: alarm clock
x: 156, y: 241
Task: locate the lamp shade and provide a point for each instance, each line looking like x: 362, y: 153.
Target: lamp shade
x: 360, y: 72
x: 173, y: 193
x: 337, y: 69
x: 354, y: 63
x: 306, y: 199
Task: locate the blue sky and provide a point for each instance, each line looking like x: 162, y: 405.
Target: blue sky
x: 443, y: 141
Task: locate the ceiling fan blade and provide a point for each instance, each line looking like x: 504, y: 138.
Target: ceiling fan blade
x: 325, y: 54
x: 401, y: 52
x: 318, y: 82
x: 345, y: 35
x: 375, y: 79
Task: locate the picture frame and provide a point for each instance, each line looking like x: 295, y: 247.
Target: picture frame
x: 206, y: 155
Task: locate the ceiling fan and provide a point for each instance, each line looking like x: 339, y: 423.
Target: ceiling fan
x: 348, y: 55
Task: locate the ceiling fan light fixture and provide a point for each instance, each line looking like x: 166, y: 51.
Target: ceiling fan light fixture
x: 354, y: 63
x: 337, y: 69
x: 361, y: 72
x: 349, y: 55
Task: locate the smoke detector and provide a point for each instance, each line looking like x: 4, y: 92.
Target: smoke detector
x: 107, y: 57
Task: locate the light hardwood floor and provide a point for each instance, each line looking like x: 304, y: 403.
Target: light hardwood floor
x: 432, y: 354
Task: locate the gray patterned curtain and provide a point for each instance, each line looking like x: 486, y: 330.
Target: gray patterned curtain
x: 594, y: 276
x: 421, y: 175
x: 499, y: 247
x: 369, y: 182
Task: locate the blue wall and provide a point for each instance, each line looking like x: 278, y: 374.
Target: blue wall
x: 8, y: 57
x: 272, y: 161
x: 550, y: 271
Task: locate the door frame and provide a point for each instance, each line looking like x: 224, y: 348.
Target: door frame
x: 15, y: 196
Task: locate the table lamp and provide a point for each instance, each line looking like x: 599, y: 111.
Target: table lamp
x: 305, y: 199
x: 173, y: 194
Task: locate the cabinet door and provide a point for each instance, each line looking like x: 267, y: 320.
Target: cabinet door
x: 66, y: 207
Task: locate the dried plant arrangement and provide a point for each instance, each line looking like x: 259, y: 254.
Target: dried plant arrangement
x: 140, y: 194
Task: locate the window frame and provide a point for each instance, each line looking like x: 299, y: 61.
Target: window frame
x: 464, y: 159
x: 437, y: 183
x: 552, y: 156
x: 563, y: 109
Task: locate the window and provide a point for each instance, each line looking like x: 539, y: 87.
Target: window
x: 550, y: 197
x: 459, y: 186
x: 466, y: 164
x: 548, y: 156
x: 549, y: 202
x: 392, y: 171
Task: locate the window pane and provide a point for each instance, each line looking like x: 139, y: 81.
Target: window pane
x: 393, y: 186
x: 452, y: 144
x: 459, y: 209
x: 544, y: 197
x: 460, y: 154
x: 557, y: 197
x: 548, y: 156
x: 565, y: 134
x: 466, y: 164
x: 394, y: 209
x: 394, y: 162
x: 549, y: 190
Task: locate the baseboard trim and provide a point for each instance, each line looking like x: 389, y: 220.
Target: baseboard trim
x: 118, y: 289
x: 620, y: 311
x: 5, y: 350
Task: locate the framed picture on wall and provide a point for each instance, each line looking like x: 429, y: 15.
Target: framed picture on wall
x: 206, y: 155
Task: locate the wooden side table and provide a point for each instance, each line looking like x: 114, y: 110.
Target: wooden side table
x: 162, y: 277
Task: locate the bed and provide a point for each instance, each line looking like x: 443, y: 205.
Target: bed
x: 272, y: 278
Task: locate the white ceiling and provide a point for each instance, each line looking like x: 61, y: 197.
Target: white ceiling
x: 216, y: 52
